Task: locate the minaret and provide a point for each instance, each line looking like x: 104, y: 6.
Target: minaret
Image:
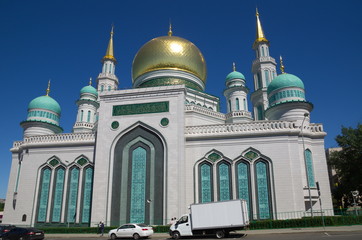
x: 87, y: 109
x: 236, y: 97
x: 43, y: 116
x: 264, y: 71
x: 107, y: 80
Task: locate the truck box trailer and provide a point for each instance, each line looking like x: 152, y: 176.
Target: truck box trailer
x: 218, y: 218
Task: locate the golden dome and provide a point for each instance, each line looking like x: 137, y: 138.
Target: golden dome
x: 169, y: 52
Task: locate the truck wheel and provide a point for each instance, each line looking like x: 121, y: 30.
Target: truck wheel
x: 220, y: 234
x: 176, y: 235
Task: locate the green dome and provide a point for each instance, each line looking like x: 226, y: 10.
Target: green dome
x: 89, y: 89
x: 234, y: 75
x: 45, y: 102
x: 285, y: 80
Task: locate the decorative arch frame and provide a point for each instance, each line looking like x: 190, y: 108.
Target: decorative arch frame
x: 137, y: 136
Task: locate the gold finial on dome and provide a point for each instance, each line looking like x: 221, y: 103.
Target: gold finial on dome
x: 260, y: 37
x: 281, y: 64
x: 90, y: 81
x: 234, y: 68
x: 48, y: 89
x: 170, y: 29
x: 109, y: 53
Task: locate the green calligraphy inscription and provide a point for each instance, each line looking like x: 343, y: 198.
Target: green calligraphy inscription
x: 143, y: 108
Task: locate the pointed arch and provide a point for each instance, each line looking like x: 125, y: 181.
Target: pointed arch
x: 224, y: 180
x: 139, y: 153
x: 263, y: 189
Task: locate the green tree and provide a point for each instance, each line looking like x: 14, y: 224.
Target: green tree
x: 348, y: 164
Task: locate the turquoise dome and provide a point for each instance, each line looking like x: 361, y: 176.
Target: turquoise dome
x: 45, y: 102
x: 89, y: 89
x: 234, y: 75
x: 285, y: 80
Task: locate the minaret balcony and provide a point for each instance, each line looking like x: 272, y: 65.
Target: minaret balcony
x: 264, y: 60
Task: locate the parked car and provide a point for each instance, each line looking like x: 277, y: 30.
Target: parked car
x: 18, y: 233
x: 131, y: 230
x: 5, y: 228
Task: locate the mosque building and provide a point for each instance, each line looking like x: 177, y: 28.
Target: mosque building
x: 145, y: 154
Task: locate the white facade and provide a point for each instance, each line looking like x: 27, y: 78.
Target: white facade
x: 152, y: 151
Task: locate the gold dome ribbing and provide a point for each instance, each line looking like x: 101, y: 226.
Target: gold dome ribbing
x: 169, y: 52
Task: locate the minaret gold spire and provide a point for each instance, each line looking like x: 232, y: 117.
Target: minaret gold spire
x: 234, y: 68
x: 170, y: 29
x: 90, y: 81
x: 48, y: 89
x: 109, y: 53
x: 281, y: 64
x: 260, y: 37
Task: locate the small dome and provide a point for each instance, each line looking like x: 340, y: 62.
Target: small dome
x: 89, y: 89
x: 285, y: 80
x: 234, y: 75
x: 45, y: 102
x: 169, y: 52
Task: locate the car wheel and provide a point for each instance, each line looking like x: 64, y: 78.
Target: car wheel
x: 176, y: 235
x: 136, y: 236
x: 113, y: 236
x: 220, y: 234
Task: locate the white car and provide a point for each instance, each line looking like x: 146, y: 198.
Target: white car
x: 131, y: 230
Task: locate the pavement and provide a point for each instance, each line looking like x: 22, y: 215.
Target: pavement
x: 351, y: 228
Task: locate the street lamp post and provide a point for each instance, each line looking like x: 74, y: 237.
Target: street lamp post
x: 306, y: 168
x: 355, y: 194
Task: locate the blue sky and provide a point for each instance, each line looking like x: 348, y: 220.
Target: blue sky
x: 65, y: 40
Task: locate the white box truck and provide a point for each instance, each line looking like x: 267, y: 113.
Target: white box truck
x: 216, y: 218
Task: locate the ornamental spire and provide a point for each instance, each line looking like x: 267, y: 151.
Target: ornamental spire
x: 90, y: 81
x: 170, y: 29
x: 260, y: 37
x: 234, y: 68
x: 48, y: 89
x: 281, y: 64
x: 109, y: 53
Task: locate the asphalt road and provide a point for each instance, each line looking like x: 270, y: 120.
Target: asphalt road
x: 351, y: 235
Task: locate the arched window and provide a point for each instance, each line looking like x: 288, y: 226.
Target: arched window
x: 44, y: 194
x: 229, y: 106
x: 102, y: 88
x: 73, y: 194
x: 138, y: 185
x: 58, y: 194
x: 245, y: 108
x: 260, y: 112
x: 88, y: 116
x: 237, y: 104
x: 263, y: 190
x: 206, y: 188
x: 87, y: 194
x: 243, y: 183
x: 23, y: 219
x: 310, y: 170
x: 109, y: 88
x: 267, y: 79
x: 224, y: 182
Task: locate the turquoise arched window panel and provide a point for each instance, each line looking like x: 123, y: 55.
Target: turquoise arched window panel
x: 224, y: 182
x: 229, y: 106
x: 237, y: 104
x: 73, y: 195
x: 44, y: 194
x: 109, y: 88
x: 87, y: 194
x: 81, y: 115
x: 260, y: 112
x: 263, y: 191
x: 88, y: 116
x: 58, y: 194
x: 138, y: 185
x: 206, y: 183
x: 102, y: 88
x: 243, y: 181
x: 267, y: 79
x: 310, y: 170
x: 244, y: 100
